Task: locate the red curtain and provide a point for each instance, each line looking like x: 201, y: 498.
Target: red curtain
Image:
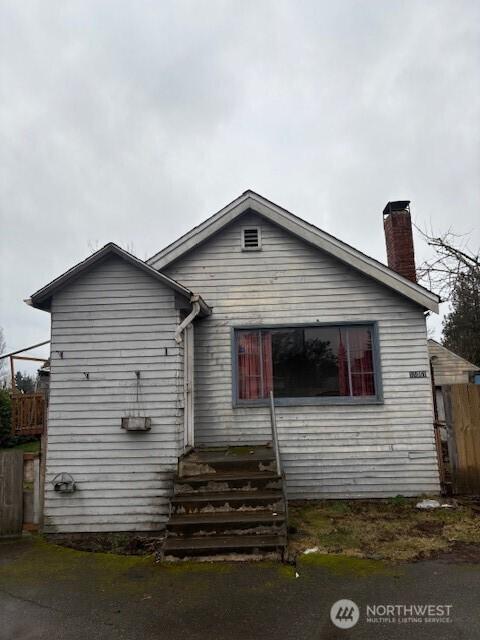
x: 255, y: 377
x: 267, y: 364
x: 361, y: 361
x: 249, y: 381
x: 343, y: 382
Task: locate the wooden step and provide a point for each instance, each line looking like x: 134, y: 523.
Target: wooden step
x: 227, y: 482
x: 227, y: 502
x: 209, y: 454
x: 219, y: 522
x: 194, y: 502
x: 215, y: 545
x: 227, y: 460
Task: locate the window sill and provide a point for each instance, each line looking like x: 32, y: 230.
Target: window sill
x: 305, y: 402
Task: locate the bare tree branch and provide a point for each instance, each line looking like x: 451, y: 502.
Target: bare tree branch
x: 452, y: 258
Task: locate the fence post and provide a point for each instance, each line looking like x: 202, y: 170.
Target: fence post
x: 11, y: 496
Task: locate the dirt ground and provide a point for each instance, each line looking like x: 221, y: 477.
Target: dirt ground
x: 393, y: 530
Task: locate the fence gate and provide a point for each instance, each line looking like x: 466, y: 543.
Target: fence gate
x: 462, y: 417
x: 11, y: 493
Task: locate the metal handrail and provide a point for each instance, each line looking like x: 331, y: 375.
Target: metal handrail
x: 276, y: 447
x: 273, y: 421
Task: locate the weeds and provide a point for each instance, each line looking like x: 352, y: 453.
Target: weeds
x: 391, y: 529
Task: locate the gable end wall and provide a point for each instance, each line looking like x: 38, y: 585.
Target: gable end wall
x: 113, y: 321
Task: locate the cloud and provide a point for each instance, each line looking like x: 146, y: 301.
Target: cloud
x: 132, y: 122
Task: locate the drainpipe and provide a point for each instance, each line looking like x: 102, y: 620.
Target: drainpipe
x: 189, y: 319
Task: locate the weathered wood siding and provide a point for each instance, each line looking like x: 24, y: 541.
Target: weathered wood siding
x: 448, y: 367
x: 329, y: 451
x: 462, y: 403
x: 109, y: 323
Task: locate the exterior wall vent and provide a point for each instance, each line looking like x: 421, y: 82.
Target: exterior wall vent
x: 251, y: 239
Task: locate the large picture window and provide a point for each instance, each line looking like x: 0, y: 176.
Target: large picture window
x: 318, y: 362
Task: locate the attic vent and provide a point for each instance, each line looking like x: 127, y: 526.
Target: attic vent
x: 251, y: 239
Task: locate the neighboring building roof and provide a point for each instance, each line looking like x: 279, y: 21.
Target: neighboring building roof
x: 302, y: 229
x: 449, y: 367
x: 42, y: 298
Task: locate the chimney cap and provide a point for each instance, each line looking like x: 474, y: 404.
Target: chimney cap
x: 397, y: 205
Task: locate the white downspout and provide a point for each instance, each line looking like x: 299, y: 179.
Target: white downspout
x: 191, y: 316
x: 188, y: 433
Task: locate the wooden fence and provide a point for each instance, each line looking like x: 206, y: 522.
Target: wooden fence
x: 11, y: 492
x: 28, y: 414
x: 462, y: 416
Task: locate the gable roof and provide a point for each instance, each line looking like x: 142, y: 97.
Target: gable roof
x: 436, y: 349
x: 302, y: 229
x: 41, y: 299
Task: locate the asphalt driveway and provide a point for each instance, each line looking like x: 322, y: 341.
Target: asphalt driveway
x: 49, y: 592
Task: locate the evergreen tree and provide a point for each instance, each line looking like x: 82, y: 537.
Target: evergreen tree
x: 24, y: 382
x: 461, y: 327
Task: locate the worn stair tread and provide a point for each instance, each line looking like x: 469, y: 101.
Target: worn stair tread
x: 226, y: 496
x: 228, y: 477
x: 222, y: 543
x: 230, y: 455
x: 222, y: 517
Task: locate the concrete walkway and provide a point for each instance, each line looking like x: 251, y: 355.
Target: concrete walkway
x: 51, y: 593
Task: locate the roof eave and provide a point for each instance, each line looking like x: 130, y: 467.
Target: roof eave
x: 41, y: 299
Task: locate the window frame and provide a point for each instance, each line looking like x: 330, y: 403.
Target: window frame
x: 325, y: 400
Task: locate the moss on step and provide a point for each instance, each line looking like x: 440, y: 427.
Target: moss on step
x: 239, y: 451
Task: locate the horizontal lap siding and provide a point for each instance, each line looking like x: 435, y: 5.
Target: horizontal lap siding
x: 111, y: 322
x: 329, y: 451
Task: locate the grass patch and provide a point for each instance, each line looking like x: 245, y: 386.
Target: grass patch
x: 344, y: 565
x: 26, y: 447
x: 390, y: 530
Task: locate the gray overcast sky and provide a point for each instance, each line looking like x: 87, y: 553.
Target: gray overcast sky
x: 133, y: 121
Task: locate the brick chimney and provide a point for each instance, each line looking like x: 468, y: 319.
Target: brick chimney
x: 398, y: 237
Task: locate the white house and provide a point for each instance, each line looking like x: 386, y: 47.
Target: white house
x: 187, y: 347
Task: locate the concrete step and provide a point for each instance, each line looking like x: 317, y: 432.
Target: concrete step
x: 227, y: 501
x: 227, y: 523
x: 227, y: 460
x: 219, y: 545
x: 217, y: 482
